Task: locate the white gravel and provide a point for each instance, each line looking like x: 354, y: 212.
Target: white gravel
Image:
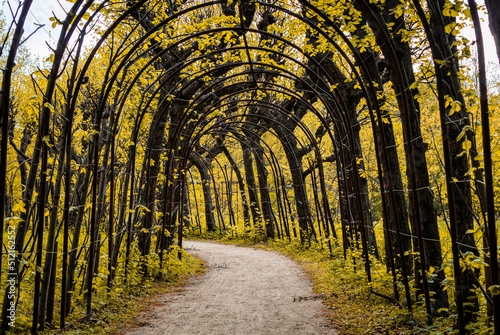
x: 245, y: 291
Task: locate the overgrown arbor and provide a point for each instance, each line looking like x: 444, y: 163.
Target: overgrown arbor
x: 350, y: 124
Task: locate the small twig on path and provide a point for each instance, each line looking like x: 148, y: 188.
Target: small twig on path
x: 313, y: 297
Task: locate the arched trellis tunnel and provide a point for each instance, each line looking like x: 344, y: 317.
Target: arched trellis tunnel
x: 320, y: 110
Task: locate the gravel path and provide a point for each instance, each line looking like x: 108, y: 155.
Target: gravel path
x: 245, y: 291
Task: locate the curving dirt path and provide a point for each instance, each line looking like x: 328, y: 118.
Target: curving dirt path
x: 245, y: 291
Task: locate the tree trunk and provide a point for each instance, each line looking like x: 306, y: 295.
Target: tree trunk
x: 252, y: 188
x: 265, y: 199
x: 241, y: 185
x: 459, y: 188
x: 207, y: 193
x: 301, y: 200
x: 76, y: 221
x: 418, y: 164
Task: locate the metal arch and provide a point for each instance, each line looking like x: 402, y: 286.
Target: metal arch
x: 277, y: 172
x: 327, y: 106
x: 279, y: 69
x: 297, y: 78
x: 224, y: 123
x: 179, y: 128
x: 273, y: 160
x: 311, y: 108
x: 269, y: 130
x: 164, y: 22
x: 201, y: 75
x: 312, y: 139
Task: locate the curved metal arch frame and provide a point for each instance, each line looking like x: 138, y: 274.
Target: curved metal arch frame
x: 179, y: 128
x: 231, y: 29
x: 239, y: 138
x: 327, y: 107
x: 303, y: 127
x: 269, y: 130
x: 324, y: 123
x: 272, y: 160
x: 303, y: 102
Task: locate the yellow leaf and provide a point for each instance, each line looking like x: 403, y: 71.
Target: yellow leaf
x: 494, y: 289
x: 459, y: 137
x: 19, y: 207
x: 49, y: 106
x: 50, y: 58
x: 46, y: 140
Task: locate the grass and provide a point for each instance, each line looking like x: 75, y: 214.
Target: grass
x: 351, y: 304
x: 127, y: 309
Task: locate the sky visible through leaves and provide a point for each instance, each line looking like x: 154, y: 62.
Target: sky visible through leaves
x: 42, y: 10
